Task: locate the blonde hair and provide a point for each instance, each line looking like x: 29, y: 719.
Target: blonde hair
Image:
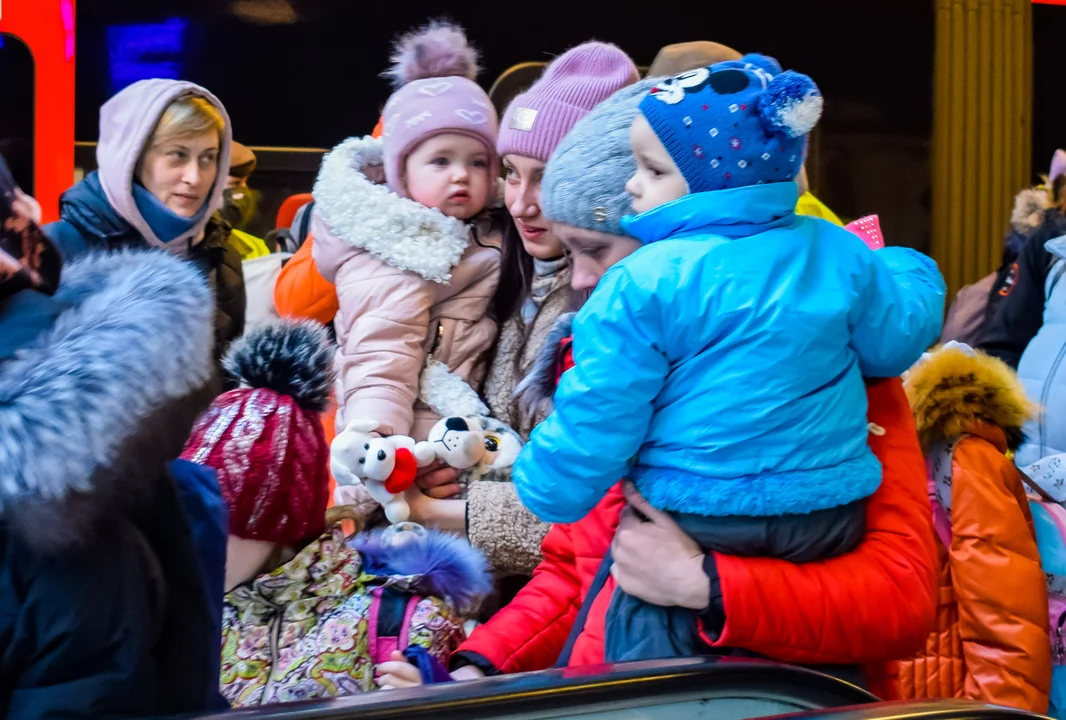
x: 186, y: 117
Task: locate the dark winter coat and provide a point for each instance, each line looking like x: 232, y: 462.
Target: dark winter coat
x: 1019, y: 311
x: 975, y: 305
x: 89, y: 222
x: 106, y: 607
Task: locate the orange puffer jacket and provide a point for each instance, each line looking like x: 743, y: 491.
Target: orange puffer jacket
x: 991, y: 639
x: 302, y: 292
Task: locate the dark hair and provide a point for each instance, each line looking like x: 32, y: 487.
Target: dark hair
x: 516, y: 273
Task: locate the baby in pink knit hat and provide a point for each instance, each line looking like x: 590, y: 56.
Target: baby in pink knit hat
x: 415, y: 260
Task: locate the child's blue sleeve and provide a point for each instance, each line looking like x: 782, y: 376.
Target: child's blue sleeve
x: 603, y: 405
x: 899, y: 312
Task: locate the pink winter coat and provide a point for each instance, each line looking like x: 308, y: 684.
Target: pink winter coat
x: 413, y: 286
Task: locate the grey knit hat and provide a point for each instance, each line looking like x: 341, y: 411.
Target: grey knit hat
x: 585, y: 180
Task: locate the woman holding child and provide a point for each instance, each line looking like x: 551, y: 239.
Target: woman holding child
x: 816, y: 613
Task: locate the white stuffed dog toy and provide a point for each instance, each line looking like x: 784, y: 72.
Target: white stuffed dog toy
x: 387, y: 466
x: 483, y: 446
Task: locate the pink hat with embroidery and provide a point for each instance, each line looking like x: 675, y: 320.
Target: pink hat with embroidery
x: 433, y: 71
x: 575, y: 82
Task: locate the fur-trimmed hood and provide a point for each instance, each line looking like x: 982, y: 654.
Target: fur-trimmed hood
x: 534, y: 394
x: 1029, y: 208
x: 134, y: 334
x: 436, y: 563
x: 955, y: 389
x: 431, y: 563
x: 353, y: 211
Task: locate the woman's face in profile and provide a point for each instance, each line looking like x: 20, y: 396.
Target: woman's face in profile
x: 592, y: 253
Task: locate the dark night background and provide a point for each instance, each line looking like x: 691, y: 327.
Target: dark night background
x: 305, y: 73
x: 315, y: 80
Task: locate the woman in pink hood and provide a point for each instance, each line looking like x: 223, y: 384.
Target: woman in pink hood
x: 158, y: 185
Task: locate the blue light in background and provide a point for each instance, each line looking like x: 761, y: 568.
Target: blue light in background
x: 146, y: 50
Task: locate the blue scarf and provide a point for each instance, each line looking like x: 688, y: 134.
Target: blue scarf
x: 165, y: 223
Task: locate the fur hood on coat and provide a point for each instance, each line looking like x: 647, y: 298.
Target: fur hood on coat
x: 361, y: 213
x: 133, y: 337
x: 1029, y: 208
x: 534, y: 394
x: 436, y: 563
x: 954, y: 389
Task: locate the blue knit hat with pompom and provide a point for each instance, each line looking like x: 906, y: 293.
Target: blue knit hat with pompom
x: 737, y: 123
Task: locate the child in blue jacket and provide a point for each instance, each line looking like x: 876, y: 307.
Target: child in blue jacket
x: 720, y: 366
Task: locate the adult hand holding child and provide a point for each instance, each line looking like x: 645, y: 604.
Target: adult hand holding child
x: 655, y: 560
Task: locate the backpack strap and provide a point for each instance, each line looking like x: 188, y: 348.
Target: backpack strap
x: 1045, y: 496
x: 387, y: 629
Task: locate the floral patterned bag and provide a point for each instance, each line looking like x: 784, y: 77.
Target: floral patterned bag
x: 318, y: 626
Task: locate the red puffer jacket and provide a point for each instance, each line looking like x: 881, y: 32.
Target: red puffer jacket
x: 865, y: 607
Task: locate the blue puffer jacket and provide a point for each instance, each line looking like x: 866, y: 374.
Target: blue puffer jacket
x: 731, y: 349
x: 1042, y: 368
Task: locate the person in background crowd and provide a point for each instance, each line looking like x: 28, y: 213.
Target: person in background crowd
x: 681, y: 57
x: 584, y: 194
x: 534, y: 291
x: 1028, y: 328
x: 301, y: 291
x: 976, y: 305
x: 242, y: 165
x: 161, y: 145
x: 990, y: 643
x: 111, y: 602
x: 808, y: 204
x: 239, y: 204
x: 1020, y: 313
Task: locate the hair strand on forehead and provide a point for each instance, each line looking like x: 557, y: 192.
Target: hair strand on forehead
x: 187, y: 117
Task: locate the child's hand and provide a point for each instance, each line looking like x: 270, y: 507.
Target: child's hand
x: 397, y: 673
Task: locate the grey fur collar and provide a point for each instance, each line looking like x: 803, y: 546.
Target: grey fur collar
x: 136, y: 335
x: 536, y: 390
x: 396, y: 230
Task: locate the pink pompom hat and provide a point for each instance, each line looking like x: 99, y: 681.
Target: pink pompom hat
x: 433, y: 70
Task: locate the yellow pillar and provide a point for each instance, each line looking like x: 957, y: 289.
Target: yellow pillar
x: 982, y: 130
